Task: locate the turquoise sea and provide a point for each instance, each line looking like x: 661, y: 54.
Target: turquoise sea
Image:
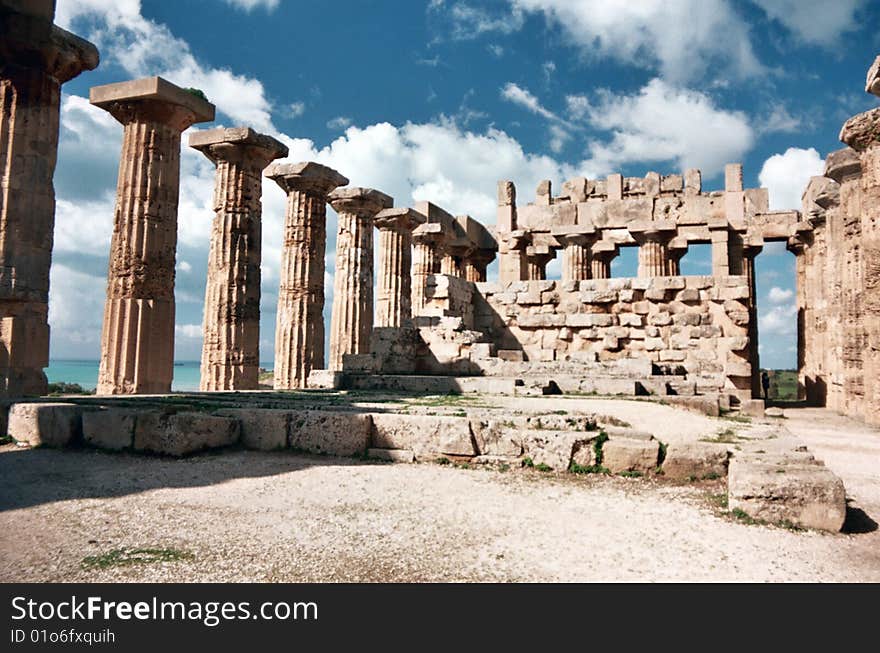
x: 85, y: 373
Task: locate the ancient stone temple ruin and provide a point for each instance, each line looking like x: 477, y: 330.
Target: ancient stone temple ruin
x: 430, y: 319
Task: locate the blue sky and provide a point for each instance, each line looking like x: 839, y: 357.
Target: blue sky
x: 439, y: 99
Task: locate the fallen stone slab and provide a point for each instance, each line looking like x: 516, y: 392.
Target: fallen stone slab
x: 697, y: 460
x: 752, y: 407
x: 334, y: 433
x: 178, y: 434
x: 392, y: 455
x: 427, y: 436
x: 109, y: 428
x: 263, y: 429
x: 810, y: 496
x: 627, y: 455
x: 494, y: 437
x: 45, y: 424
x: 775, y: 411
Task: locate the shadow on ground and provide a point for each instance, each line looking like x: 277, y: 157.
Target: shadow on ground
x: 33, y: 477
x: 857, y: 521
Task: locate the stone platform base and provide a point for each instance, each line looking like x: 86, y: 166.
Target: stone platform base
x: 781, y: 483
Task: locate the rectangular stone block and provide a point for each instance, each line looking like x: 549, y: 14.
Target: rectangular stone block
x: 333, y: 433
x: 589, y: 320
x: 695, y: 460
x: 109, y: 428
x: 427, y: 436
x: 325, y: 380
x: 625, y: 455
x: 179, y: 434
x: 45, y: 424
x: 262, y: 429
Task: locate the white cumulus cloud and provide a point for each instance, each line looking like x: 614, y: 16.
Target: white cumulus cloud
x: 250, y: 5
x: 814, y: 21
x: 779, y: 295
x: 786, y: 175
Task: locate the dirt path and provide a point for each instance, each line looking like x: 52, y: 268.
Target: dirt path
x: 285, y: 517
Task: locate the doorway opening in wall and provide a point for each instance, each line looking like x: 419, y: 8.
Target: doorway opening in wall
x: 697, y: 261
x: 777, y: 310
x: 626, y: 263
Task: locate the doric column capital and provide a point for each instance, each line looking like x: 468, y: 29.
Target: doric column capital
x: 583, y: 235
x: 152, y: 99
x: 429, y: 233
x: 604, y: 250
x: 843, y: 164
x: 362, y: 202
x: 400, y: 220
x: 306, y: 177
x: 862, y: 131
x: 238, y: 145
x: 32, y: 41
x: 652, y: 231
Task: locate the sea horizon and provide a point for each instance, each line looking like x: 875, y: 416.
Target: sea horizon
x: 84, y: 372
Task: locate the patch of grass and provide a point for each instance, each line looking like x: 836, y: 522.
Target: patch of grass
x: 631, y: 474
x: 62, y: 388
x: 791, y: 526
x: 727, y: 436
x: 712, y: 476
x: 7, y: 439
x: 574, y: 468
x: 528, y: 462
x: 744, y: 517
x: 780, y: 471
x: 503, y: 467
x: 443, y: 461
x: 559, y: 412
x: 719, y: 500
x: 127, y: 557
x: 598, y: 443
x: 783, y: 385
x: 543, y: 467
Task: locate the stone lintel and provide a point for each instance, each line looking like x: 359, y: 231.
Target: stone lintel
x: 211, y: 142
x: 540, y: 250
x: 151, y: 90
x: 429, y: 232
x: 573, y: 231
x: 842, y: 164
x: 604, y: 247
x: 363, y: 202
x: 400, y: 219
x: 872, y: 82
x: 715, y: 224
x: 305, y: 176
x: 678, y: 243
x: 862, y: 130
x: 649, y: 228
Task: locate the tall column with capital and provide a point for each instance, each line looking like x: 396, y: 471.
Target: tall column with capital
x: 36, y: 58
x: 476, y: 263
x: 137, y: 341
x: 428, y: 241
x: 231, y: 327
x: 351, y: 323
x: 862, y: 133
x: 577, y: 256
x: 750, y: 251
x: 537, y: 258
x: 299, y: 323
x: 394, y: 287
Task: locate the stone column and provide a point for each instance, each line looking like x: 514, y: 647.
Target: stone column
x: 231, y: 345
x: 653, y: 239
x: 351, y: 324
x: 512, y: 256
x: 394, y: 289
x: 796, y: 246
x: 450, y: 264
x: 299, y: 322
x: 603, y: 253
x: 577, y: 255
x: 36, y: 58
x: 476, y: 263
x: 537, y: 258
x: 427, y: 241
x: 862, y: 133
x: 719, y: 233
x: 137, y: 342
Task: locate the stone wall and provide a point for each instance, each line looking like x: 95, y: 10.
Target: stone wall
x: 691, y: 326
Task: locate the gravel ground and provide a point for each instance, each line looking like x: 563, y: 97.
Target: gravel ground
x: 248, y: 516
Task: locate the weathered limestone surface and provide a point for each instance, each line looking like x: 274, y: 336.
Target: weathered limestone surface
x: 426, y: 436
x: 36, y: 58
x: 179, y: 434
x: 299, y: 328
x: 427, y: 240
x: 621, y: 455
x: 231, y: 346
x: 137, y: 341
x: 330, y: 433
x: 394, y: 287
x: 351, y: 322
x: 695, y: 460
x: 805, y: 495
x: 109, y: 428
x: 45, y: 424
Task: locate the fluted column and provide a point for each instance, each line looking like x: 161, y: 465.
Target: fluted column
x: 394, y: 287
x: 36, y: 58
x: 603, y: 253
x: 299, y: 323
x: 537, y: 258
x: 577, y: 254
x: 749, y: 254
x: 653, y: 239
x: 676, y: 250
x: 476, y: 263
x: 351, y: 323
x: 231, y: 326
x: 427, y: 241
x: 137, y: 341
